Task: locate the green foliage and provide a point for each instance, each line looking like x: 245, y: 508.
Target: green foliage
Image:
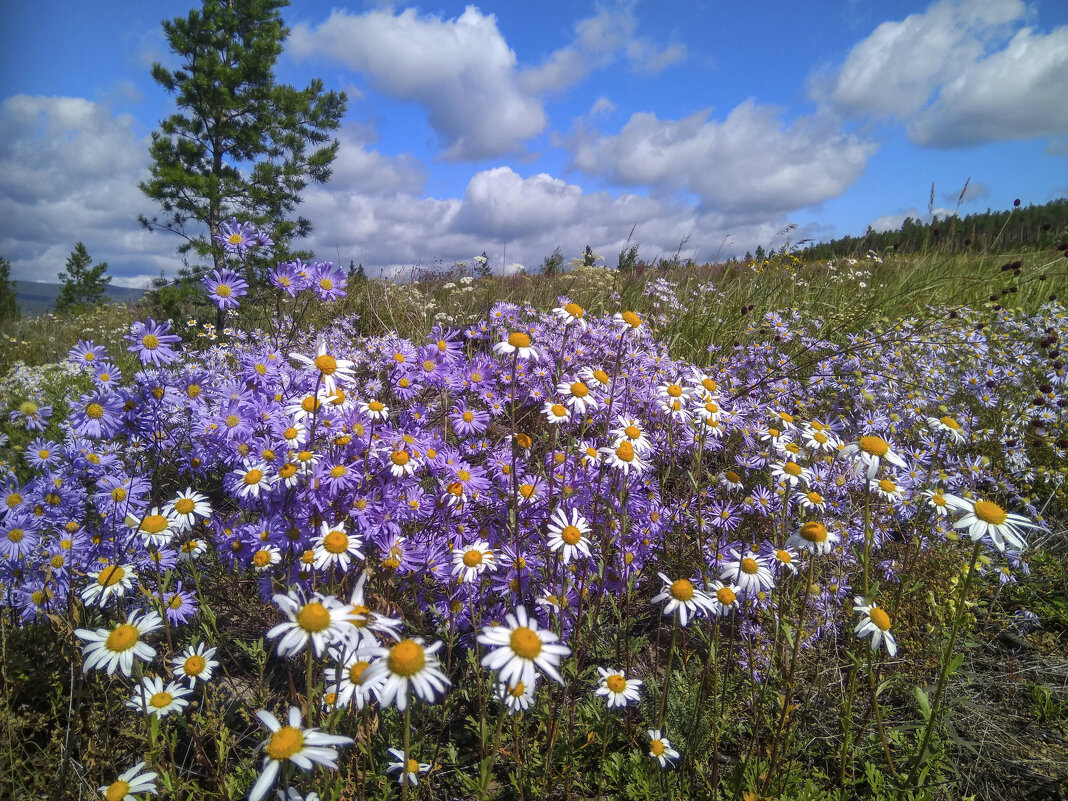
x: 1030, y: 227
x: 243, y: 145
x: 553, y: 264
x: 9, y: 309
x: 628, y: 259
x: 84, y: 283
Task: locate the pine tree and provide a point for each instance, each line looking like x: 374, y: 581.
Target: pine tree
x: 9, y: 307
x: 84, y: 284
x: 241, y: 145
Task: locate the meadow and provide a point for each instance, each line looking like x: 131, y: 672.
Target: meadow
x: 791, y: 529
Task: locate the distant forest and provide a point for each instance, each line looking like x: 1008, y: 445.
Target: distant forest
x: 1021, y: 228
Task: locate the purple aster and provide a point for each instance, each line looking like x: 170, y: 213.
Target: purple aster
x: 225, y: 287
x: 87, y: 353
x: 239, y: 237
x: 42, y: 453
x: 32, y: 415
x: 179, y: 605
x: 106, y: 374
x: 291, y: 277
x: 152, y: 341
x: 328, y: 281
x: 97, y: 415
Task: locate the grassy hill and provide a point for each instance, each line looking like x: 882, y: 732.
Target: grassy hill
x: 37, y: 297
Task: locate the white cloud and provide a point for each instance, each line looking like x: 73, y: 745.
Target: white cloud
x: 962, y: 72
x: 892, y: 222
x: 748, y: 162
x: 69, y: 173
x: 480, y: 102
x: 460, y: 70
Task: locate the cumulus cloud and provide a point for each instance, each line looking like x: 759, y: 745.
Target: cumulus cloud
x: 480, y: 102
x: 520, y: 220
x: 749, y: 161
x: 973, y: 190
x: 68, y: 172
x: 460, y: 70
x: 960, y: 73
x: 892, y: 222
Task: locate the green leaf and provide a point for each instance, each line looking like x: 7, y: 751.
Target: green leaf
x: 924, y: 703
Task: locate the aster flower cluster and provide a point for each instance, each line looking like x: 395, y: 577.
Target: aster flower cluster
x: 497, y: 484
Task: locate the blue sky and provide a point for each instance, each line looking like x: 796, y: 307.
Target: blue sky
x: 514, y: 128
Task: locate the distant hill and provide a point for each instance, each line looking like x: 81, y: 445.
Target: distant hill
x: 37, y: 297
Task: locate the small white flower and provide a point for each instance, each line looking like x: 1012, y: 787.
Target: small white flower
x: 519, y: 647
x: 660, y: 748
x: 320, y: 621
x: 109, y: 581
x: 617, y: 689
x: 117, y: 647
x: 406, y: 768
x: 130, y: 785
x: 874, y: 623
x: 568, y: 535
x: 681, y: 595
x: 473, y: 560
x: 292, y: 743
x: 152, y: 698
x: 195, y: 663
x: 519, y: 344
x: 407, y: 665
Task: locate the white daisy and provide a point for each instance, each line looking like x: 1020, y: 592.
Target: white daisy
x: 348, y: 681
x: 157, y: 528
x: 130, y: 785
x: 195, y: 663
x: 519, y: 647
x: 630, y: 322
x: 519, y: 698
x: 868, y: 452
x: 266, y: 557
x: 365, y: 622
x: 406, y: 768
x: 617, y: 689
x: 303, y: 747
x: 985, y: 519
x: 320, y: 621
x: 750, y: 575
x: 681, y: 595
x: 402, y: 463
x: 117, y: 647
x: 519, y: 344
x: 578, y: 396
x: 109, y: 581
x: 568, y: 536
x: 623, y: 456
x: 187, y: 507
x: 660, y: 748
x: 555, y: 413
x: 408, y: 664
x: 948, y: 426
x: 722, y: 598
x: 330, y: 368
x: 874, y: 622
x: 152, y: 698
x: 813, y: 537
x: 790, y: 473
x: 472, y: 561
x: 334, y: 546
x: 376, y: 410
x: 571, y: 314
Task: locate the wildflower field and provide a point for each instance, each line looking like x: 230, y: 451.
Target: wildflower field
x: 791, y: 531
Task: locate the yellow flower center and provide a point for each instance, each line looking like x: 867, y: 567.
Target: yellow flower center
x: 313, y: 617
x: 160, y: 700
x: 411, y: 766
x: 406, y: 658
x: 94, y: 411
x: 284, y: 743
x: 376, y: 406
x: 28, y: 408
x: 633, y: 432
x: 309, y: 404
x: 327, y: 364
x: 574, y: 310
x: 601, y: 376
x: 336, y: 541
x: 631, y: 319
x: 814, y: 497
x: 526, y: 490
x: 287, y: 470
x: 123, y: 638
x: 150, y: 341
x: 814, y: 531
x: 674, y: 391
x: 656, y: 748
x: 473, y: 558
x: 110, y: 575
x: 733, y: 477
x: 253, y: 476
x: 525, y: 643
x: 117, y: 791
x: 326, y: 284
x: 750, y: 566
x: 429, y: 365
x: 223, y: 291
x: 949, y: 422
x: 616, y: 683
x: 184, y: 506
x: 559, y: 410
x: 13, y: 500
x: 518, y: 340
x: 356, y: 671
x: 338, y: 470
x: 726, y: 596
x: 463, y: 475
x: 876, y: 446
x: 886, y: 485
x: 571, y: 535
x: 235, y: 239
x: 880, y: 619
x: 194, y: 665
x: 990, y: 513
x: 16, y: 535
x: 154, y: 524
x: 524, y: 440
x: 682, y: 589
x: 792, y: 468
x: 625, y: 452
x: 400, y: 458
